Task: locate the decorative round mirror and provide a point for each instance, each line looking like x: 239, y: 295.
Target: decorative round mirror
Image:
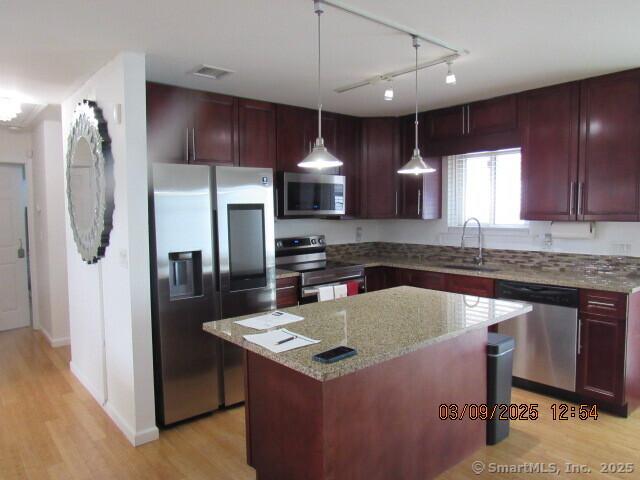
x: 90, y: 181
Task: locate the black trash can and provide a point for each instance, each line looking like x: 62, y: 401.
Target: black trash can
x: 499, y: 373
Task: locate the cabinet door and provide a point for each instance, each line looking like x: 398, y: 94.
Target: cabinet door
x: 376, y: 278
x: 610, y: 147
x: 495, y: 115
x: 287, y: 292
x: 469, y: 285
x: 348, y: 143
x: 446, y: 124
x: 257, y: 134
x: 380, y: 197
x: 549, y: 119
x: 601, y: 358
x: 215, y: 126
x: 292, y: 131
x: 420, y: 195
x: 168, y: 124
x: 428, y: 280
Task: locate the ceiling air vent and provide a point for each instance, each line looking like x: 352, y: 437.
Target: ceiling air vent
x: 211, y: 72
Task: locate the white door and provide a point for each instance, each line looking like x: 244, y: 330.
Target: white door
x: 14, y: 289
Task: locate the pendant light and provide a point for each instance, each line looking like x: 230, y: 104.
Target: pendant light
x: 319, y: 157
x: 416, y: 164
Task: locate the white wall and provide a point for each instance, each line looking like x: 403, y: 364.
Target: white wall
x: 336, y: 231
x: 109, y: 302
x: 49, y: 234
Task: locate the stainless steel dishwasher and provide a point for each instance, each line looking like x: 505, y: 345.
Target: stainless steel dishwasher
x: 547, y: 337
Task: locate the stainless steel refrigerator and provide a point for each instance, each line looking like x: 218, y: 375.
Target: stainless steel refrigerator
x: 212, y: 257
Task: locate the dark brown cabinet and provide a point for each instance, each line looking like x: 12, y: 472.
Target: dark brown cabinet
x: 484, y: 125
x: 296, y: 132
x: 215, y: 129
x: 257, y: 134
x: 379, y: 186
x: 609, y: 168
x: 168, y: 124
x: 189, y: 126
x: 601, y: 358
x: 549, y: 120
x: 287, y: 292
x: 469, y: 285
x: 348, y: 144
x: 420, y: 195
x: 376, y: 278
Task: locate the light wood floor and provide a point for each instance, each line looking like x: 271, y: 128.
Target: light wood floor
x: 50, y: 427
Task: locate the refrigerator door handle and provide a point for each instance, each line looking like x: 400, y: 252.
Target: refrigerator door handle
x: 216, y: 250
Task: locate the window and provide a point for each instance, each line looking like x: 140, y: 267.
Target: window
x: 486, y: 186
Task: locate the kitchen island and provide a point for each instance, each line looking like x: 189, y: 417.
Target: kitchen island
x: 375, y: 415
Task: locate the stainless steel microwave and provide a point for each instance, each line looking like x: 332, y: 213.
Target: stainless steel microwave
x: 310, y: 194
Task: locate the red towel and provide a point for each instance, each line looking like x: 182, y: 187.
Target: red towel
x: 353, y: 287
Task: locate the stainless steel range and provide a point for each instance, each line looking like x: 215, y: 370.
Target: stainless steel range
x: 307, y: 255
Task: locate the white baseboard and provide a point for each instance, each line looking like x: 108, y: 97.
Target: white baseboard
x: 135, y: 438
x: 55, y: 342
x: 98, y: 397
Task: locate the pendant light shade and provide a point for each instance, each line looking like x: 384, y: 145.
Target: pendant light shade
x: 319, y: 157
x: 416, y: 164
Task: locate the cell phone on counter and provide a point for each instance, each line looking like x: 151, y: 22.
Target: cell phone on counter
x: 335, y: 354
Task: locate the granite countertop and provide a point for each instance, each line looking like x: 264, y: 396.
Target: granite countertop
x: 280, y: 273
x: 614, y: 281
x: 381, y: 325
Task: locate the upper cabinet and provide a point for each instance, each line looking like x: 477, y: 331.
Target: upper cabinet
x: 609, y: 170
x: 348, y: 146
x: 485, y: 125
x: 215, y: 129
x: 581, y: 150
x: 168, y: 124
x: 549, y: 119
x: 420, y: 195
x: 296, y: 132
x: 189, y: 126
x: 379, y: 183
x: 257, y: 134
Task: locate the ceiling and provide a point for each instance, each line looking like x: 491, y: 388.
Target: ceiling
x: 48, y: 48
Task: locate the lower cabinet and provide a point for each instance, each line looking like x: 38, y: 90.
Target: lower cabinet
x: 376, y: 278
x: 287, y: 292
x: 601, y: 354
x: 470, y: 285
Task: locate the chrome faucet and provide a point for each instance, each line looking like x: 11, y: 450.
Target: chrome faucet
x: 479, y: 259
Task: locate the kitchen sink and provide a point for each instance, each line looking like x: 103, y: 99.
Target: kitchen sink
x: 472, y: 268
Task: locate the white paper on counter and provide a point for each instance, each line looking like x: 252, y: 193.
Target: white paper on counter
x: 340, y: 291
x: 269, y: 340
x: 269, y: 320
x: 325, y: 293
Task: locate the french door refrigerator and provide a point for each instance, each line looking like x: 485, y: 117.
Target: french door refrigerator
x: 212, y: 257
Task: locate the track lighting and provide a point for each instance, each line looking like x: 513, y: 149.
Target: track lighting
x: 451, y: 77
x: 388, y: 91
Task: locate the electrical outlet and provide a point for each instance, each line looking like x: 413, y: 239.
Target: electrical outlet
x: 358, y: 234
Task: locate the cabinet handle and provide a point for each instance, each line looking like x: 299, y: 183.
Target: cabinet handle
x: 276, y: 205
x: 396, y: 203
x: 579, y: 336
x: 288, y: 287
x: 468, y: 119
x: 601, y: 304
x: 186, y: 145
x: 193, y: 143
x: 419, y: 201
x: 464, y: 113
x: 572, y: 199
x: 580, y: 199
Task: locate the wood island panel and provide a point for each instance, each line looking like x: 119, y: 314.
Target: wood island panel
x: 380, y: 422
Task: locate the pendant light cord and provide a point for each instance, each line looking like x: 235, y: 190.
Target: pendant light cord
x: 319, y: 12
x: 416, y: 45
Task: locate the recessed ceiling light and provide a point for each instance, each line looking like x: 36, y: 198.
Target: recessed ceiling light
x: 209, y: 71
x: 10, y: 108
